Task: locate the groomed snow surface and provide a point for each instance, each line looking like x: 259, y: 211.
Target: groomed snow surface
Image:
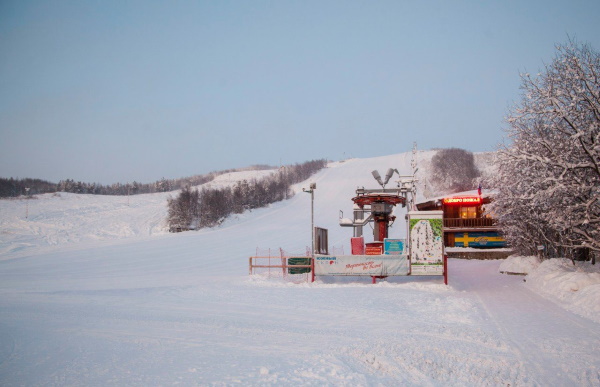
x: 94, y: 292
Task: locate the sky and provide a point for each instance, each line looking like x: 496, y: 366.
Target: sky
x: 121, y: 91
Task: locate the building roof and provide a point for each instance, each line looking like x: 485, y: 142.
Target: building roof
x: 436, y: 202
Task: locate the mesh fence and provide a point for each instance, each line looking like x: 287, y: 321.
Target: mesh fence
x: 280, y: 264
x: 337, y: 250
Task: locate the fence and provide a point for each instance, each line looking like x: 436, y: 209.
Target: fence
x: 469, y: 223
x: 278, y: 263
x: 337, y: 250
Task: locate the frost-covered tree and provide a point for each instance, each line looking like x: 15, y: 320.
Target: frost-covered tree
x: 549, y: 173
x: 211, y: 206
x: 184, y: 209
x: 453, y: 170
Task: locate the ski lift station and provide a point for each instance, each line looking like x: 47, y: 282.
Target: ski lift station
x: 421, y: 253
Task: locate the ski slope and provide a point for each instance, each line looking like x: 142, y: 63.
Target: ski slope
x: 93, y: 291
x: 65, y: 219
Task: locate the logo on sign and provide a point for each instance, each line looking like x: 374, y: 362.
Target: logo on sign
x: 482, y: 241
x: 325, y: 260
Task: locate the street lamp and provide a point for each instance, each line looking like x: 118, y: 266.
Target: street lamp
x: 311, y: 191
x: 26, y: 202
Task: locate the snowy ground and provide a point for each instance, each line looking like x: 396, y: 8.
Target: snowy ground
x: 573, y: 285
x: 153, y: 308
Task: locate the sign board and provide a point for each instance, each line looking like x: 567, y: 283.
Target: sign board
x: 426, y: 237
x: 463, y: 201
x: 393, y: 246
x: 321, y: 241
x: 479, y: 239
x: 374, y: 248
x: 299, y: 261
x: 367, y: 265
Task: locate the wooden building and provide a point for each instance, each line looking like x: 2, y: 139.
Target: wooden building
x: 467, y: 221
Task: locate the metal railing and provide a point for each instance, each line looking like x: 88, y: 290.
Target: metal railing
x: 469, y: 223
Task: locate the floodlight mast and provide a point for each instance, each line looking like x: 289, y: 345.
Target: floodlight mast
x: 377, y: 177
x: 311, y: 191
x: 388, y: 175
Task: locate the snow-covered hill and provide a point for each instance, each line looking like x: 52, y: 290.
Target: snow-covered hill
x: 93, y: 291
x: 52, y: 221
x: 64, y: 219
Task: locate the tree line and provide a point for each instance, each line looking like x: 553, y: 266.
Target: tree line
x: 11, y: 187
x: 208, y: 207
x: 17, y: 187
x: 548, y: 184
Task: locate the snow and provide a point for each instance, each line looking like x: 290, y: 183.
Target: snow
x: 575, y: 287
x: 519, y: 265
x: 68, y: 219
x: 94, y: 292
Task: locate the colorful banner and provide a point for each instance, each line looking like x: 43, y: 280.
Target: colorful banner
x: 478, y: 239
x: 369, y: 265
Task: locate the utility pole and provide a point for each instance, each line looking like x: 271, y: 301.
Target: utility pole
x: 311, y: 191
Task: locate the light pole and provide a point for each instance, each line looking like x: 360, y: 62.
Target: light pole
x: 311, y: 191
x: 26, y: 202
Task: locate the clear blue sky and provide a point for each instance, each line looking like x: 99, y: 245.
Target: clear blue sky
x: 107, y: 91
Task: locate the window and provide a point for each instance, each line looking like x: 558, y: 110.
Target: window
x: 468, y: 212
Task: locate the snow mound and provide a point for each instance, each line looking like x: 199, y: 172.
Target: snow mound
x: 519, y: 265
x: 576, y: 287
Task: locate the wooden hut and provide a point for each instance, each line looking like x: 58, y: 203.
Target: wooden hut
x: 467, y: 220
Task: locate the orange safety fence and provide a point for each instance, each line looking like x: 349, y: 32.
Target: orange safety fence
x: 278, y: 263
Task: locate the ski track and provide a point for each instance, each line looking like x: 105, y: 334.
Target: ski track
x: 106, y: 301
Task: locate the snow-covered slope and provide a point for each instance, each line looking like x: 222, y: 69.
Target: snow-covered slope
x: 96, y: 294
x: 64, y: 219
x: 69, y: 219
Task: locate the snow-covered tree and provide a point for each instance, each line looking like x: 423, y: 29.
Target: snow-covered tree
x: 184, y: 209
x: 211, y: 206
x: 549, y: 173
x: 453, y: 171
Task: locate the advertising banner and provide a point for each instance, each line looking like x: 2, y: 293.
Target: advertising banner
x: 479, y: 239
x: 369, y: 265
x: 426, y: 242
